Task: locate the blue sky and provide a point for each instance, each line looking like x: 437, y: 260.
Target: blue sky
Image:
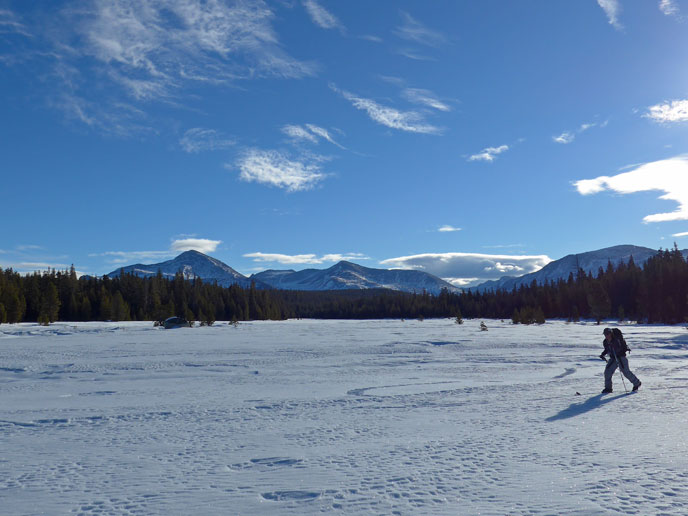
x: 469, y: 139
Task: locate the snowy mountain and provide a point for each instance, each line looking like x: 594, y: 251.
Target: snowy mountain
x: 589, y: 262
x: 346, y: 275
x: 191, y: 264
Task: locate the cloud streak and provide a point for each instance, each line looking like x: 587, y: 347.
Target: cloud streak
x: 612, y: 8
x: 321, y: 16
x: 425, y: 98
x: 408, y: 121
x: 310, y: 133
x: 275, y: 168
x: 489, y: 154
x: 198, y: 140
x: 669, y: 176
x: 414, y: 31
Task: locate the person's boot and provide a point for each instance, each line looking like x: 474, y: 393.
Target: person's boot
x: 637, y: 386
x: 608, y: 390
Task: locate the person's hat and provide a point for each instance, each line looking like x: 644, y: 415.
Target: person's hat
x: 607, y: 330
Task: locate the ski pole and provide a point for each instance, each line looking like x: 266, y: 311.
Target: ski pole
x: 620, y: 368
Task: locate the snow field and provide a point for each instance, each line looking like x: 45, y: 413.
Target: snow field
x: 343, y: 417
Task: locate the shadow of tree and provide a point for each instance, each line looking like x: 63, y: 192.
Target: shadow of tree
x: 576, y: 409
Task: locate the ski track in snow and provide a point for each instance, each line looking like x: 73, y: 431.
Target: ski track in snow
x: 343, y: 417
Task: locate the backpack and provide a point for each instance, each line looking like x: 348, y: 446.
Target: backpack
x: 616, y: 333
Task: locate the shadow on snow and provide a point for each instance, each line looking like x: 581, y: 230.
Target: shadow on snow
x: 576, y: 409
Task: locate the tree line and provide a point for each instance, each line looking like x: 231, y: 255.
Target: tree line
x: 655, y: 293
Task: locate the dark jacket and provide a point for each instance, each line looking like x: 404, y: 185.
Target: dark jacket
x: 614, y: 348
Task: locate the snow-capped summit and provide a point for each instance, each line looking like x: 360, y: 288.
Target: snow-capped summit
x: 346, y: 275
x: 192, y: 264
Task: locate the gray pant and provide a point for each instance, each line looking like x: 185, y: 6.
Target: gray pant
x: 612, y: 364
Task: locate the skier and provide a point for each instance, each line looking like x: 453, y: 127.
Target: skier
x: 615, y: 346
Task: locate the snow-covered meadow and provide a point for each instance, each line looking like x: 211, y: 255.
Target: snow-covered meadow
x: 344, y: 417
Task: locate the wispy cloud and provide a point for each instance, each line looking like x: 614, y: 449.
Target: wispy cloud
x: 310, y: 133
x: 275, y: 168
x: 612, y: 8
x: 425, y: 98
x: 447, y: 229
x: 489, y: 154
x: 469, y: 268
x: 303, y: 259
x: 669, y: 8
x: 297, y: 132
x: 678, y: 235
x: 321, y: 16
x: 414, y: 31
x: 669, y: 176
x: 323, y: 133
x: 112, y: 53
x: 10, y: 24
x: 409, y: 121
x: 569, y: 136
x: 565, y: 137
x: 199, y: 140
x: 668, y: 112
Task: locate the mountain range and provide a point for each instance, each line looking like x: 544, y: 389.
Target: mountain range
x: 350, y: 276
x: 342, y: 276
x: 590, y: 262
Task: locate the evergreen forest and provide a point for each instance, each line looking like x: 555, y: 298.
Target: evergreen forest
x: 655, y: 293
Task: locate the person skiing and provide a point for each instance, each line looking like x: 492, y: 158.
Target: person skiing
x: 615, y: 346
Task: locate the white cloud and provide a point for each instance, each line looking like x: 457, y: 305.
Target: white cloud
x: 669, y: 7
x: 489, y: 153
x: 121, y: 51
x: 202, y: 245
x: 564, y: 137
x: 321, y: 16
x: 415, y: 31
x: 425, y: 97
x: 410, y: 121
x: 303, y: 259
x: 322, y: 133
x: 669, y: 176
x: 670, y: 111
x: 297, y: 132
x: 274, y: 168
x: 469, y: 268
x: 680, y: 234
x: 199, y: 139
x: 612, y: 8
x: 448, y: 229
x: 309, y: 133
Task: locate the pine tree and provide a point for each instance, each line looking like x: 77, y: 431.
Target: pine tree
x: 49, y: 304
